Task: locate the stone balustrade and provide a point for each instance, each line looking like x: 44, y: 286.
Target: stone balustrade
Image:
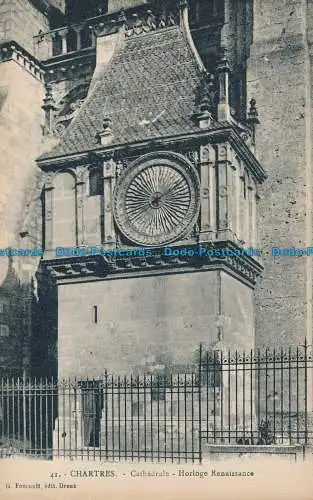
x: 74, y: 38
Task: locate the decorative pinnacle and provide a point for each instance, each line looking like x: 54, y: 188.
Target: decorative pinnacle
x: 207, y: 93
x: 48, y: 102
x: 252, y: 119
x: 222, y: 64
x: 206, y: 100
x: 49, y: 108
x: 253, y: 113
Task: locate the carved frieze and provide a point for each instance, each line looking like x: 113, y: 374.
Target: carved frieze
x: 188, y: 259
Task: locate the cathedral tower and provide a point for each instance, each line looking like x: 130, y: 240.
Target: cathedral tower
x: 154, y: 183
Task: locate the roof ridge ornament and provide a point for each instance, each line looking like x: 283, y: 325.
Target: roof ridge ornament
x: 49, y: 108
x: 105, y: 136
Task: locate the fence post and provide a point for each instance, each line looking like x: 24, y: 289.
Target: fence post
x: 24, y: 412
x: 200, y: 404
x: 305, y: 391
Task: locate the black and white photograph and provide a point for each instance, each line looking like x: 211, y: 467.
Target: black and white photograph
x: 156, y: 249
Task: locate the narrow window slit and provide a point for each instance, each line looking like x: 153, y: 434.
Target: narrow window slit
x: 95, y: 314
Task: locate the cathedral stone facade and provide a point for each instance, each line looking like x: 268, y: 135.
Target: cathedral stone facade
x: 166, y: 142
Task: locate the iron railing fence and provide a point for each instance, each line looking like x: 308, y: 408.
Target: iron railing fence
x: 257, y: 397
x: 231, y: 398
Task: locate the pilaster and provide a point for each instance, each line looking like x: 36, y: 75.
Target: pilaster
x: 82, y: 174
x: 109, y: 171
x: 244, y: 207
x: 224, y: 186
x: 208, y: 192
x: 49, y: 202
x: 251, y: 211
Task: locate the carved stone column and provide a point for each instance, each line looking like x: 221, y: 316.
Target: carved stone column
x: 208, y: 193
x: 49, y: 203
x: 250, y: 214
x: 247, y: 212
x: 109, y: 168
x: 63, y: 34
x: 236, y: 197
x: 78, y: 30
x: 256, y: 237
x: 82, y: 174
x: 244, y: 208
x: 239, y: 222
x: 233, y: 172
x: 224, y: 188
x: 253, y: 235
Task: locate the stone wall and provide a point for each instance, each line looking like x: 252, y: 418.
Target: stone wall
x: 161, y: 316
x: 20, y: 21
x: 21, y: 133
x: 278, y: 78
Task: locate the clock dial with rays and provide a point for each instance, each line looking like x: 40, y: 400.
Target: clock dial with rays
x: 156, y: 202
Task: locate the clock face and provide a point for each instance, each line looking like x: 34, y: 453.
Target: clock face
x: 157, y: 201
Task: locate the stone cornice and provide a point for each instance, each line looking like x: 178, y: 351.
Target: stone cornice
x: 221, y: 132
x: 68, y: 58
x: 65, y: 65
x: 12, y: 51
x: 93, y: 268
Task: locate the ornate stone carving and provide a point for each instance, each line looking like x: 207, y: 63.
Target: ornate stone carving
x: 207, y: 95
x: 148, y: 21
x: 244, y: 267
x: 120, y: 165
x: 68, y: 106
x: 157, y: 201
x: 63, y: 121
x: 192, y: 156
x: 223, y: 191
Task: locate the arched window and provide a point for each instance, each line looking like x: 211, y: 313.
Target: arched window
x: 85, y: 37
x: 56, y: 44
x: 71, y: 40
x: 64, y: 220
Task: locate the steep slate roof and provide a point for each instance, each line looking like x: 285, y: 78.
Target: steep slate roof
x: 148, y: 90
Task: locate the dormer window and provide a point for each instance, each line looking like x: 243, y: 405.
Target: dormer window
x: 95, y: 182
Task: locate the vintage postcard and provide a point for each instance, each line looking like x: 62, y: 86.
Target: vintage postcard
x: 156, y: 249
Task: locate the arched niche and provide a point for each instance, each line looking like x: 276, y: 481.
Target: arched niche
x: 65, y: 210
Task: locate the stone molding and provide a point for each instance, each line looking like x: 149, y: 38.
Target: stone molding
x: 87, y: 267
x: 222, y: 133
x: 12, y: 51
